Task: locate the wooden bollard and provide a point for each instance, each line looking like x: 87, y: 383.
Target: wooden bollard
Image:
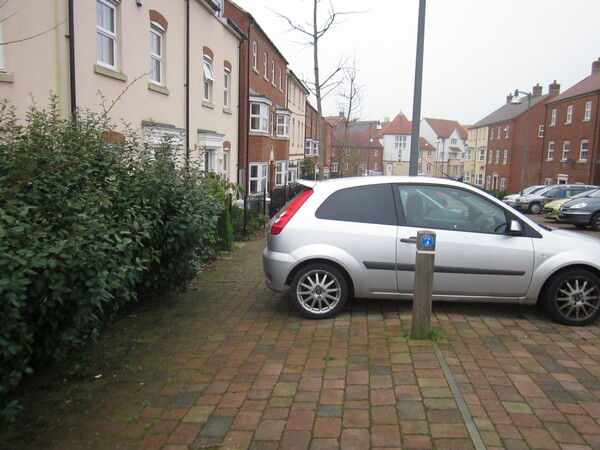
x: 424, y: 267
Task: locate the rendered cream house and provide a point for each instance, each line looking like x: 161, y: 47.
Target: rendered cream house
x: 167, y: 68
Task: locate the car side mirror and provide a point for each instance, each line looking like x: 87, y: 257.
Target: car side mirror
x: 515, y: 228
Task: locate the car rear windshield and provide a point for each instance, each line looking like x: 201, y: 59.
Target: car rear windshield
x: 365, y: 204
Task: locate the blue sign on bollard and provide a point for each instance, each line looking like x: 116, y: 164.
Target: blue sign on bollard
x: 427, y: 241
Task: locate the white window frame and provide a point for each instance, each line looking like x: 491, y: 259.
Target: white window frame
x: 506, y: 129
x: 209, y: 78
x: 265, y: 65
x: 311, y: 148
x: 551, y: 148
x: 479, y: 179
x: 587, y: 114
x: 566, y: 150
x: 503, y: 184
x: 569, y: 117
x: 259, y: 118
x: 553, y: 117
x: 106, y: 35
x: 497, y: 156
x: 283, y: 125
x: 505, y: 158
x: 583, y: 152
x: 257, y: 178
x: 541, y: 130
x: 273, y: 72
x: 335, y: 167
x: 281, y: 170
x: 254, y: 55
x: 157, y: 57
x: 481, y: 155
x: 226, y: 88
x: 281, y: 80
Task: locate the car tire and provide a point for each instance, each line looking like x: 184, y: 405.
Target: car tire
x: 535, y: 208
x: 573, y: 297
x: 595, y: 222
x: 319, y: 291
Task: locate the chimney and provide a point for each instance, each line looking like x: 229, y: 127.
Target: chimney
x: 596, y: 67
x: 341, y: 113
x: 537, y: 91
x: 554, y: 88
x: 509, y: 98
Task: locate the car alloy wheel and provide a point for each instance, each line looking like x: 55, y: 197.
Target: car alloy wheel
x: 535, y: 208
x: 573, y: 297
x: 319, y: 291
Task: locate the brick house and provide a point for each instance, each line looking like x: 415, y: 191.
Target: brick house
x: 571, y: 144
x: 507, y: 128
x: 357, y: 148
x: 264, y: 126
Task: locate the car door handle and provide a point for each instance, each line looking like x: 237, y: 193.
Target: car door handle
x: 410, y: 240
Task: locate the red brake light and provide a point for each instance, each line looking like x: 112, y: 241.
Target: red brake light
x: 288, y: 213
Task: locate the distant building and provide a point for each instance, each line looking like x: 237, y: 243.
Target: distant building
x: 396, y: 141
x: 571, y: 135
x: 450, y: 140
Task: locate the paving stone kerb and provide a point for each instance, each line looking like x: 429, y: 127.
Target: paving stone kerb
x: 232, y: 364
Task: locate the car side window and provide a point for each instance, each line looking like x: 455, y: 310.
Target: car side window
x: 365, y: 204
x: 448, y: 208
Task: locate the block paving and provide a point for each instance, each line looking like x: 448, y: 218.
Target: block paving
x: 231, y: 365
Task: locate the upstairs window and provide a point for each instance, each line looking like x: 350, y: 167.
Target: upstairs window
x: 587, y: 114
x: 259, y: 117
x: 265, y: 63
x: 283, y: 125
x: 550, y: 156
x: 583, y: 151
x: 553, y: 118
x: 227, y: 88
x: 209, y: 79
x: 569, y: 114
x: 273, y: 72
x: 566, y: 150
x: 254, y: 55
x: 541, y: 131
x: 106, y: 33
x: 156, y: 53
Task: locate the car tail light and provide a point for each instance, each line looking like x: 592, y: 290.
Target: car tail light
x: 285, y: 216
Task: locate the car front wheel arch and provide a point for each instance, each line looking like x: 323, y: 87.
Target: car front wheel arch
x: 571, y: 296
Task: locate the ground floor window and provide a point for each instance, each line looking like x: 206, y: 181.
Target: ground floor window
x: 258, y: 177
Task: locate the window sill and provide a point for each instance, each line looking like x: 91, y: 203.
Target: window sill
x: 227, y: 110
x: 259, y: 133
x: 7, y: 77
x: 101, y: 70
x: 158, y: 88
x: 582, y: 161
x: 208, y: 104
x: 549, y: 159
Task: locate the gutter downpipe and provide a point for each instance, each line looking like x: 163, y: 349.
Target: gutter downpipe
x: 187, y: 81
x: 72, y: 77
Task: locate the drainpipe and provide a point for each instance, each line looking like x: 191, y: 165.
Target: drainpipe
x: 187, y: 81
x: 72, y: 59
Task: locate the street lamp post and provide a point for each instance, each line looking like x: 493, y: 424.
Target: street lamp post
x: 517, y: 100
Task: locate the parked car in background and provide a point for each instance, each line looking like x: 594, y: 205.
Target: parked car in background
x: 550, y: 210
x: 533, y: 203
x: 510, y: 199
x: 582, y: 211
x: 356, y: 237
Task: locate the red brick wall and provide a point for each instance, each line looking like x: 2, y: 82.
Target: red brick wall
x: 575, y: 132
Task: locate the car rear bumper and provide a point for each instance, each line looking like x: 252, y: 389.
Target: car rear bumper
x: 277, y: 267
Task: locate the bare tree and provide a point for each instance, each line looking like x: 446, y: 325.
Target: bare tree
x: 350, y: 103
x: 312, y: 34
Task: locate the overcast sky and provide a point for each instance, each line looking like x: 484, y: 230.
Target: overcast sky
x: 476, y: 51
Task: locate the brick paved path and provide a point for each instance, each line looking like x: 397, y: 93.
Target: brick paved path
x: 230, y: 364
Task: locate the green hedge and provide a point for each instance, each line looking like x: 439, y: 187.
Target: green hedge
x: 86, y: 224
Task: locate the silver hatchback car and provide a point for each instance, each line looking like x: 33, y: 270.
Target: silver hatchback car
x: 356, y: 237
